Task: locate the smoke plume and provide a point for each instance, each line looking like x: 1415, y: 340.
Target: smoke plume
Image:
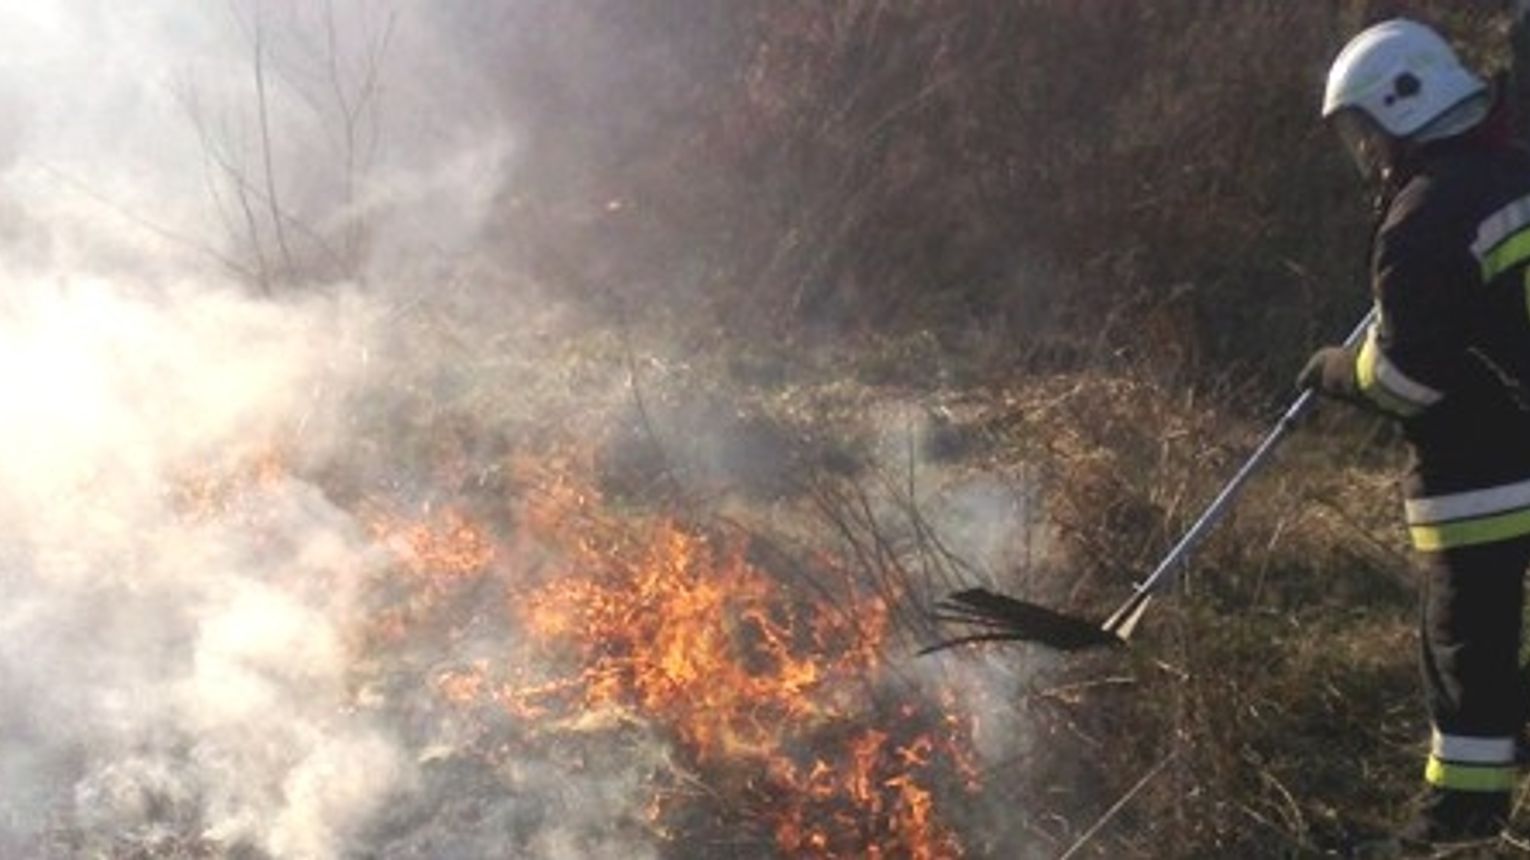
x: 253, y: 314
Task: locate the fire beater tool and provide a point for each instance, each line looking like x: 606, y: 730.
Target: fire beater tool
x: 993, y: 617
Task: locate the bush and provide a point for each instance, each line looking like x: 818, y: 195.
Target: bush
x: 1035, y: 168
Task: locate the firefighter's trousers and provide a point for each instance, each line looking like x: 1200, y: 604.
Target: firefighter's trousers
x: 1473, y: 602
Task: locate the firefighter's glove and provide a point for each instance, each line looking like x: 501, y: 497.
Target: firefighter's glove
x: 1328, y: 371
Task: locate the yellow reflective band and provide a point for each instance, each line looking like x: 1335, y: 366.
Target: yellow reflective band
x: 1437, y: 536
x: 1509, y: 253
x: 1366, y: 378
x: 1469, y: 777
x: 1365, y: 362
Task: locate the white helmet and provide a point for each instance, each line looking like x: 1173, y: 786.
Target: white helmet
x: 1394, y: 80
x: 1402, y: 74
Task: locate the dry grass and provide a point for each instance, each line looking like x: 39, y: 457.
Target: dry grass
x: 1098, y: 235
x: 1272, y: 698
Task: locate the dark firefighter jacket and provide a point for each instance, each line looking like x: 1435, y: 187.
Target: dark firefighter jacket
x: 1450, y: 354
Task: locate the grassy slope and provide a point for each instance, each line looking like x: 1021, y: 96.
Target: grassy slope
x: 1095, y: 245
x: 1278, y: 682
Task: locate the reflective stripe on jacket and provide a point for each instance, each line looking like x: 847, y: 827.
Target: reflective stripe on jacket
x: 1449, y: 355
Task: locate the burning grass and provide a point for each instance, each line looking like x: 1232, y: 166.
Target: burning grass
x: 568, y: 674
x: 787, y: 729
x: 764, y: 700
x: 785, y: 723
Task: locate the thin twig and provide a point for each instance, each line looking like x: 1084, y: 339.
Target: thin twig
x: 635, y: 386
x: 1119, y: 805
x: 267, y: 157
x: 867, y: 544
x: 153, y: 227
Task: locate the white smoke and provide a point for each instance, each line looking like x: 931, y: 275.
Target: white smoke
x: 252, y: 135
x: 169, y: 658
x: 179, y: 659
x: 174, y: 652
x: 177, y: 631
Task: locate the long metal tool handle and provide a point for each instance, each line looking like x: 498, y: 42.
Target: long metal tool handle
x: 1125, y: 619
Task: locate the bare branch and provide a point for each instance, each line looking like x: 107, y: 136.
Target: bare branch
x: 154, y: 227
x: 264, y: 112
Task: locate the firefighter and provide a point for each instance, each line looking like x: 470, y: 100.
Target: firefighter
x: 1448, y: 358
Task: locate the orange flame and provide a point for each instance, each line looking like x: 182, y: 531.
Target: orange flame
x: 443, y: 551
x: 205, y: 493
x: 774, y: 697
x: 762, y: 688
x: 766, y: 690
x: 436, y: 557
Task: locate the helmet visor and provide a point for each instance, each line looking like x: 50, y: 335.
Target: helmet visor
x: 1364, y: 141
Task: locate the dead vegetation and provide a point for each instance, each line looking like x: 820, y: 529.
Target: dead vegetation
x: 1078, y: 247
x: 1268, y: 710
x: 1055, y: 260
